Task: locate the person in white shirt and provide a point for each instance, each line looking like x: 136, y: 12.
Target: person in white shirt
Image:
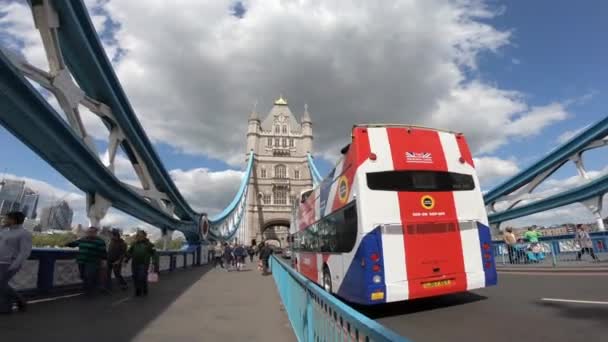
x: 15, y: 248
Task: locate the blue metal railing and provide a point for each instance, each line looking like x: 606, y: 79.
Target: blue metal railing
x: 555, y: 250
x: 317, y: 316
x: 45, y: 280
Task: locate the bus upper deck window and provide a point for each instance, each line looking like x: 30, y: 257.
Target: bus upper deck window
x: 419, y: 181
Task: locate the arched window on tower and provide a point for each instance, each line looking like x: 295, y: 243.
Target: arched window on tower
x: 269, y: 144
x: 276, y: 142
x: 266, y: 198
x: 277, y: 129
x: 284, y: 142
x: 280, y: 196
x: 290, y: 142
x: 280, y: 171
x: 263, y: 173
x: 296, y: 174
x: 284, y: 129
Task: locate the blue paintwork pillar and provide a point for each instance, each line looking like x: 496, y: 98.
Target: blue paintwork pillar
x: 46, y: 272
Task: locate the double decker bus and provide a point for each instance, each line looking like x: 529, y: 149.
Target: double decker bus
x: 400, y: 217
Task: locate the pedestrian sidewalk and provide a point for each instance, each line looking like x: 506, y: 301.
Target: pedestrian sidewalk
x: 196, y: 304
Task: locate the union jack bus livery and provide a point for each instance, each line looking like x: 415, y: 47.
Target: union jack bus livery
x: 401, y: 216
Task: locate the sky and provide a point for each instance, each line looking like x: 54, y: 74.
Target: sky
x: 517, y: 78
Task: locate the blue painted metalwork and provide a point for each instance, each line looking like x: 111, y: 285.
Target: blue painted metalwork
x: 317, y: 316
x: 33, y: 121
x: 47, y: 257
x: 92, y: 70
x: 555, y: 158
x: 592, y: 189
x: 316, y: 176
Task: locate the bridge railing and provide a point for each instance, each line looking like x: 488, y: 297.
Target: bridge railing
x: 318, y: 316
x: 561, y: 250
x: 50, y: 271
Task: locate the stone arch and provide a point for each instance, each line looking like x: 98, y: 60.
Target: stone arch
x: 276, y: 230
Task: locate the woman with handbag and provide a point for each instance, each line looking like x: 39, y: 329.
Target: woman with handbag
x: 144, y: 259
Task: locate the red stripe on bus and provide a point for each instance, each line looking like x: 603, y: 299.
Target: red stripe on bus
x: 465, y: 153
x: 427, y: 255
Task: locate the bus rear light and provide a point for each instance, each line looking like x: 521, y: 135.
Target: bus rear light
x: 488, y: 265
x: 375, y: 257
x: 486, y: 246
x: 377, y: 279
x: 461, y: 160
x: 487, y: 256
x: 376, y: 268
x: 372, y: 156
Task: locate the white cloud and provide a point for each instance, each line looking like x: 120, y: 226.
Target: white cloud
x: 567, y: 135
x: 352, y: 62
x: 492, y: 168
x: 207, y: 191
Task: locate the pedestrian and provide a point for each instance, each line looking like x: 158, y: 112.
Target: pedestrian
x: 15, y: 248
x: 583, y: 239
x: 265, y: 253
x: 91, y: 259
x: 251, y: 252
x: 218, y: 254
x: 143, y: 254
x: 510, y: 242
x: 239, y: 253
x: 228, y: 256
x: 117, y: 250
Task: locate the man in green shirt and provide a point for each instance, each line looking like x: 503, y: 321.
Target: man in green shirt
x: 532, y: 235
x: 91, y: 259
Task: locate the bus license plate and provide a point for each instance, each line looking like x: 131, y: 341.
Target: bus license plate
x: 438, y: 283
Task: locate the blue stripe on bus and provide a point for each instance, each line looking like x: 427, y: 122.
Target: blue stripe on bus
x: 357, y: 285
x: 486, y: 237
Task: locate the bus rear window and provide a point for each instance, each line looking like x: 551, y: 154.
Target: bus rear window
x: 419, y: 181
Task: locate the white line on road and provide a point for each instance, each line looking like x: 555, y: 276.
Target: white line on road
x: 573, y: 301
x: 118, y: 302
x: 52, y: 298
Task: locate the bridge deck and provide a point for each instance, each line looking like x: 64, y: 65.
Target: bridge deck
x: 198, y: 304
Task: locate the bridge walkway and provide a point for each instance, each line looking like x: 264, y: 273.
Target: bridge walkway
x: 197, y: 304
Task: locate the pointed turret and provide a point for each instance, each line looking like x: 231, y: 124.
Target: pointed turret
x: 307, y: 129
x: 253, y: 129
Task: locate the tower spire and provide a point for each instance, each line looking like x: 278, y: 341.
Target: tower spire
x: 254, y: 112
x: 306, y: 116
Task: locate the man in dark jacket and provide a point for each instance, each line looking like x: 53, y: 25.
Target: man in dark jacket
x: 117, y: 250
x: 142, y: 252
x: 91, y: 259
x: 265, y: 254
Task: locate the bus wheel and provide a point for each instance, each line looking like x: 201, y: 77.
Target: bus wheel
x: 327, y: 280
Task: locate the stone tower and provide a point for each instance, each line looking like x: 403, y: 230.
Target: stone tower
x: 280, y: 170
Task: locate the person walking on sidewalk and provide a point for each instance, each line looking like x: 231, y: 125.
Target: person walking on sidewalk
x: 583, y: 239
x: 15, y: 248
x: 117, y: 251
x: 142, y: 253
x: 510, y: 242
x: 265, y: 254
x: 91, y: 259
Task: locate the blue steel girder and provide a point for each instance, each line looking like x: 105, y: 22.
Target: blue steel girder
x: 92, y: 70
x: 31, y: 119
x: 594, y: 189
x: 316, y: 176
x: 521, y: 186
x: 552, y: 161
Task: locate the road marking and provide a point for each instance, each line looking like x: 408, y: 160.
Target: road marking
x: 573, y: 301
x: 118, y: 302
x: 52, y: 298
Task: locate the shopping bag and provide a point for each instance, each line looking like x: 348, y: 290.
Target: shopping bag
x: 152, y: 277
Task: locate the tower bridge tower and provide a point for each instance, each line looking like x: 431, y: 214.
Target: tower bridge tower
x: 280, y: 172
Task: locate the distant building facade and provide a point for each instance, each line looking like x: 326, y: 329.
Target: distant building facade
x: 280, y: 171
x: 58, y: 217
x: 15, y: 196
